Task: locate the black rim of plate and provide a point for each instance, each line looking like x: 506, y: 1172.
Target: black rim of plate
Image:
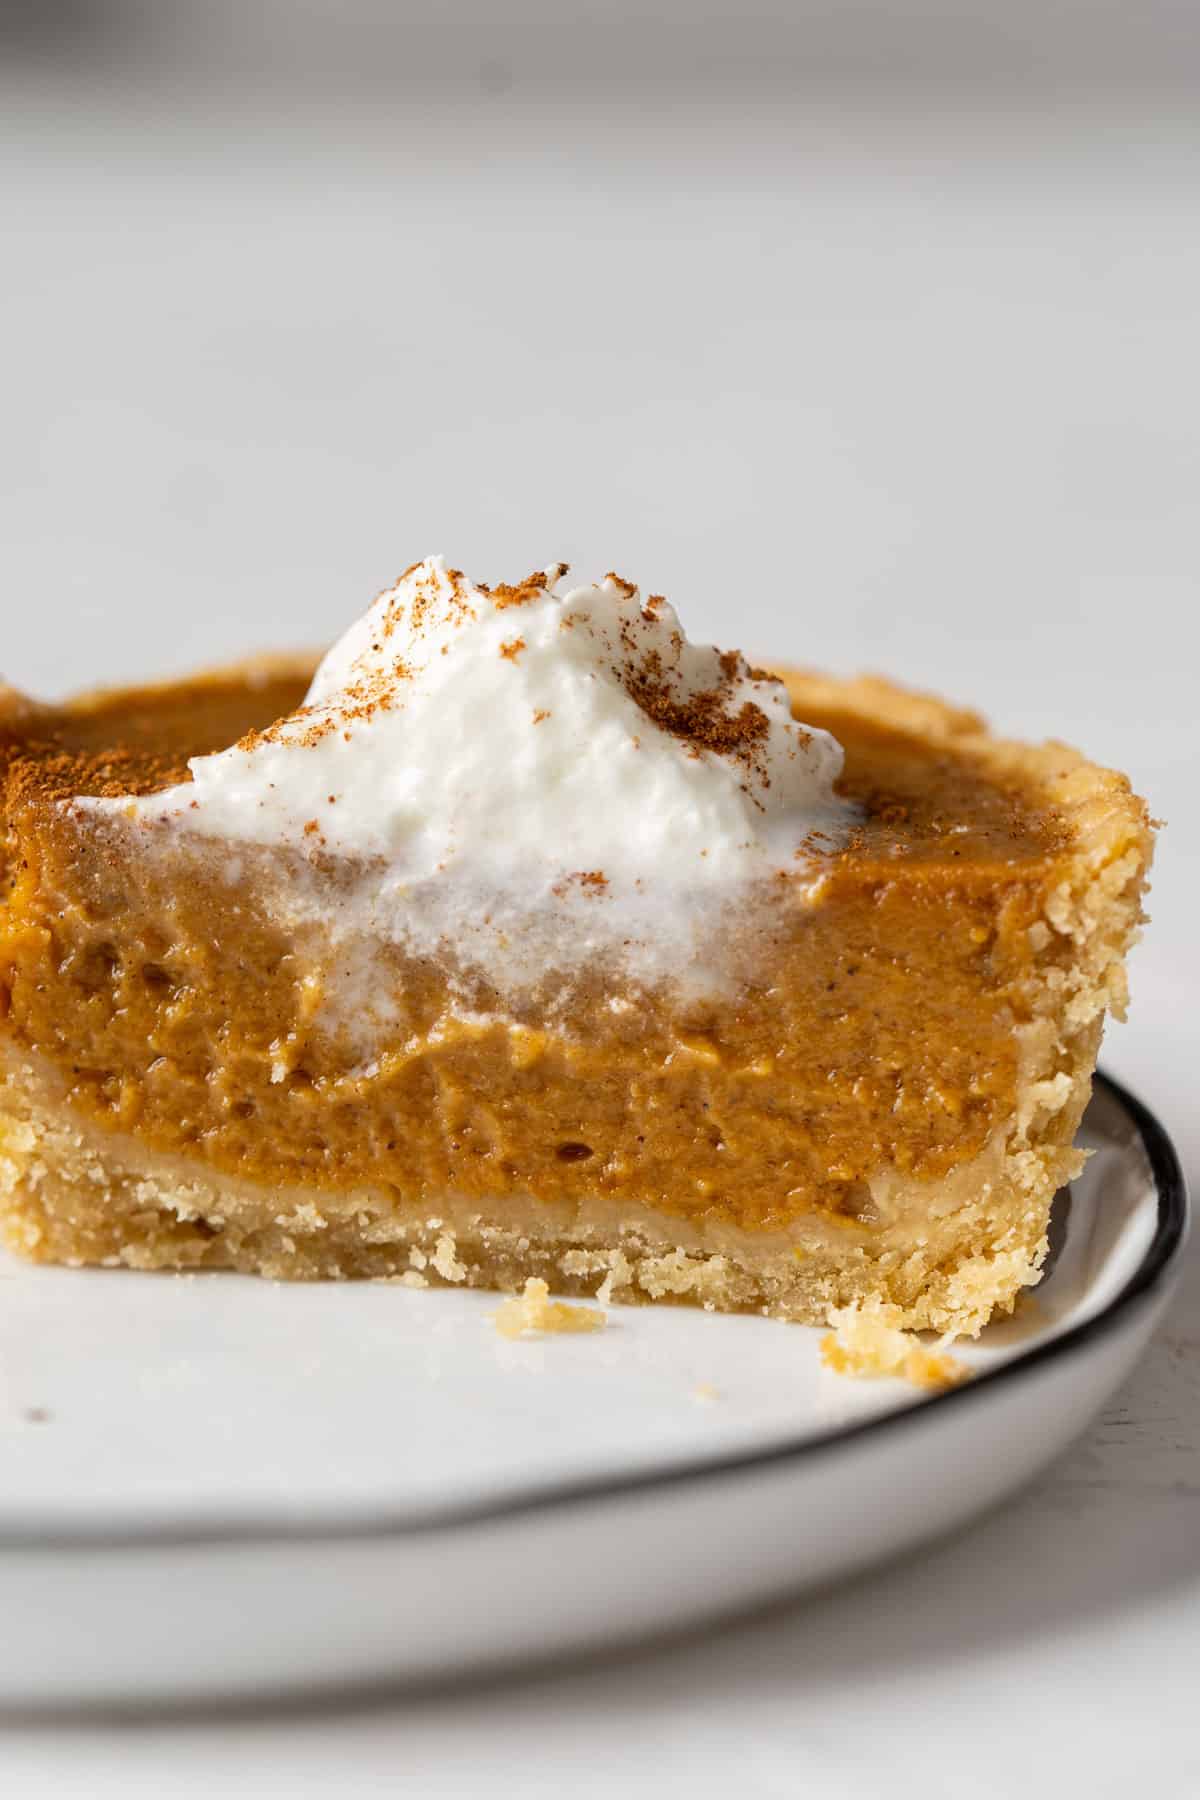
x: 1169, y: 1235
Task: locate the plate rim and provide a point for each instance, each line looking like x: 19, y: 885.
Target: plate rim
x: 1162, y: 1252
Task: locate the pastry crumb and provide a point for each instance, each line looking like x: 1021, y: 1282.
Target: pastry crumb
x: 534, y: 1312
x: 705, y: 1394
x: 866, y: 1342
x: 445, y: 1258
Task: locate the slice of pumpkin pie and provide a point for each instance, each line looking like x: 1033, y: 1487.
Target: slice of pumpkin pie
x: 527, y: 939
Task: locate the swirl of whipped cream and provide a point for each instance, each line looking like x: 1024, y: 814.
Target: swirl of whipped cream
x: 526, y: 734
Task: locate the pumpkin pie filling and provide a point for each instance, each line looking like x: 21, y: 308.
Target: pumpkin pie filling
x: 878, y: 1099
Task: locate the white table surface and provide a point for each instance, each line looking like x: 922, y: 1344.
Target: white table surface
x: 910, y: 388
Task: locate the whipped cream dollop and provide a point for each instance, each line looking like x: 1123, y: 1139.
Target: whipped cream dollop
x: 519, y: 781
x: 527, y: 734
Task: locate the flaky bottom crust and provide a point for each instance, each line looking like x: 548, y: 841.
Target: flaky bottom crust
x: 946, y: 1255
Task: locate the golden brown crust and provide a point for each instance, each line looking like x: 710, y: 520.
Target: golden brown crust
x: 882, y: 702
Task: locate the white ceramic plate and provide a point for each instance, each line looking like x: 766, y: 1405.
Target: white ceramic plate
x: 215, y: 1487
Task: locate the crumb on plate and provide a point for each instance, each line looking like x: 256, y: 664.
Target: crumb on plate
x: 534, y: 1311
x: 866, y: 1342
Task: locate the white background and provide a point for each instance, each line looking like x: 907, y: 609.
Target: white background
x: 862, y: 368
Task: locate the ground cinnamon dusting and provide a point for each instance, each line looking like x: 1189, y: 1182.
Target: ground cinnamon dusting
x: 359, y: 702
x: 379, y: 689
x: 532, y: 588
x: 701, y: 720
x: 591, y: 881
